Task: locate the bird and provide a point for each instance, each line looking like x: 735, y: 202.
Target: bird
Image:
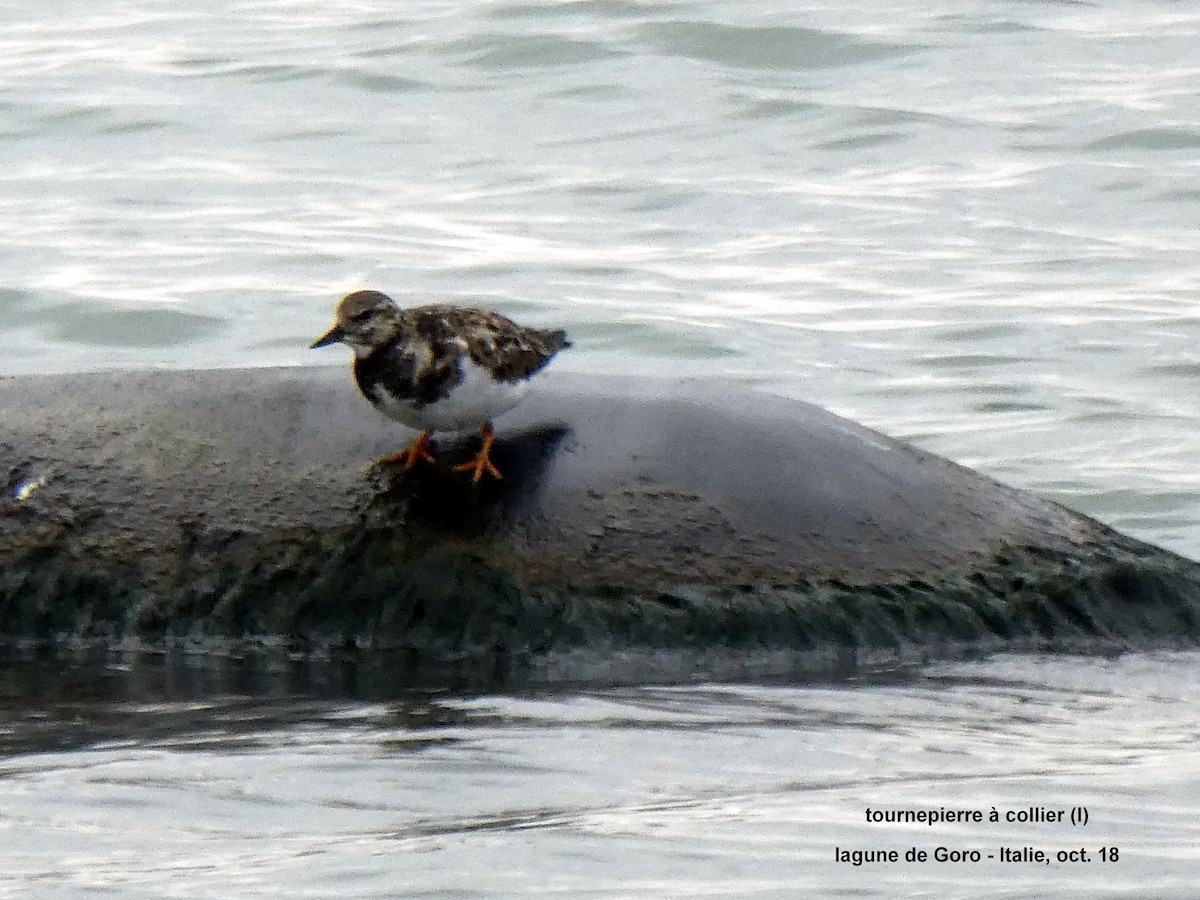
x: 440, y: 368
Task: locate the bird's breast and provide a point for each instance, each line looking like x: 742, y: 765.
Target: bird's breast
x: 462, y: 404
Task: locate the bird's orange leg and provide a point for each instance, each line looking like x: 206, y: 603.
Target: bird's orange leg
x: 414, y: 453
x: 483, y: 462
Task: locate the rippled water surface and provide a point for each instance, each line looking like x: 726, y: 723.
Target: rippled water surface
x: 972, y: 225
x: 154, y: 787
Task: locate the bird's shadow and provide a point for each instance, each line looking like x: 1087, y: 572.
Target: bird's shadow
x: 441, y: 500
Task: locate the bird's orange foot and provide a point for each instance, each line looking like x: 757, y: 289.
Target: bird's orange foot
x: 483, y: 462
x: 417, y: 451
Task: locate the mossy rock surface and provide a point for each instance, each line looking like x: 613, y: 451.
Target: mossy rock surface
x: 240, y: 505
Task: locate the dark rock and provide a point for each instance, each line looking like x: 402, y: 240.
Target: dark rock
x: 204, y: 508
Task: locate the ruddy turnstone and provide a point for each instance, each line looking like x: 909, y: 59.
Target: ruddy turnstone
x: 440, y: 368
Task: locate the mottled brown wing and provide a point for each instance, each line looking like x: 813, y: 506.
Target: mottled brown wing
x: 508, y: 351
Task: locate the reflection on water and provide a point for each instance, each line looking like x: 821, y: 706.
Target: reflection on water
x: 146, y: 784
x: 954, y: 224
x: 948, y: 223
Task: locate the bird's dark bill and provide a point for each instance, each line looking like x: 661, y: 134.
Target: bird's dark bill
x: 332, y: 336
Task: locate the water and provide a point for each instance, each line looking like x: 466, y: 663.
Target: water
x: 162, y: 787
x: 971, y: 226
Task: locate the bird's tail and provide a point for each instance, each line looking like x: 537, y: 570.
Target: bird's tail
x: 555, y: 340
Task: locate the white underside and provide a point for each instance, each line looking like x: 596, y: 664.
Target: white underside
x: 477, y: 399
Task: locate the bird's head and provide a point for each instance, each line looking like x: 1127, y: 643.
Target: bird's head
x: 363, y: 321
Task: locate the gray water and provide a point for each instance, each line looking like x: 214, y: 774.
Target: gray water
x: 972, y: 226
x: 164, y: 785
